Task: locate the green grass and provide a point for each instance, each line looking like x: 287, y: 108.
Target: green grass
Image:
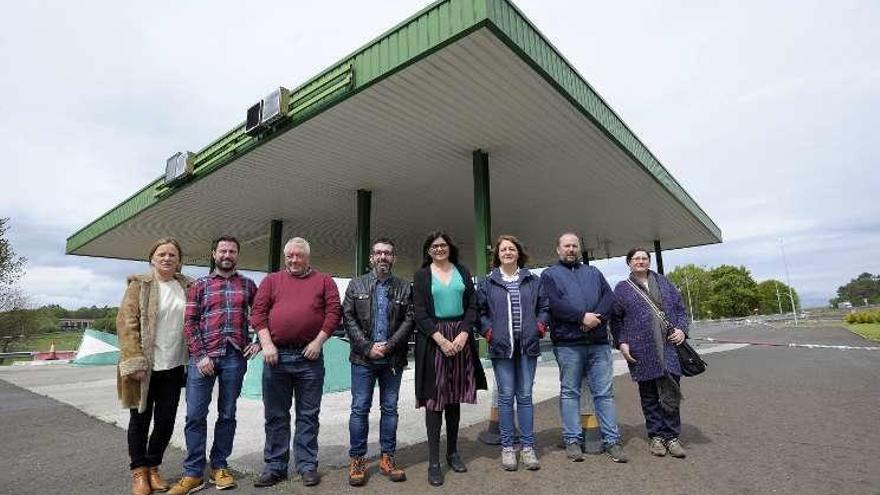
x: 64, y: 341
x: 870, y: 331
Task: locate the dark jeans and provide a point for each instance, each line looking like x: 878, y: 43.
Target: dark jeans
x: 163, y: 396
x: 229, y: 371
x: 301, y: 381
x: 363, y: 381
x: 659, y: 423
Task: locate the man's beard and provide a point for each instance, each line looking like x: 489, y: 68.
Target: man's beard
x: 227, y: 265
x: 382, y: 268
x: 569, y: 259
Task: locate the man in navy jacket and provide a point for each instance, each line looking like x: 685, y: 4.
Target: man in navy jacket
x: 580, y: 305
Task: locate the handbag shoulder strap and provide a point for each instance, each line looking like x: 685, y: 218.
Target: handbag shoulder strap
x: 660, y: 314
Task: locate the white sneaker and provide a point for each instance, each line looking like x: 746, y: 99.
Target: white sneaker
x: 508, y: 459
x: 529, y: 459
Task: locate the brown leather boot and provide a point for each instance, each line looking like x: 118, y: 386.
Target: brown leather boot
x: 156, y: 482
x: 390, y: 468
x: 357, y: 471
x: 140, y: 481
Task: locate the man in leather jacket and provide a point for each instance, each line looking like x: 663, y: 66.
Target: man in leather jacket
x: 378, y: 319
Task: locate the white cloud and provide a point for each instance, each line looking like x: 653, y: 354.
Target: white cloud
x: 71, y: 286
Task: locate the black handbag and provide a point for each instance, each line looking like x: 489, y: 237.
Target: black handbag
x: 690, y: 362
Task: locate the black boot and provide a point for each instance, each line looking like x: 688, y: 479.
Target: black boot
x: 435, y: 475
x: 455, y: 463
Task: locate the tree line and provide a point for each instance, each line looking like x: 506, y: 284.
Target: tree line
x: 860, y: 291
x: 20, y: 322
x: 730, y: 291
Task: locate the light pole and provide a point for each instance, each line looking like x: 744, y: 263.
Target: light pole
x: 778, y: 299
x: 687, y: 283
x: 788, y: 282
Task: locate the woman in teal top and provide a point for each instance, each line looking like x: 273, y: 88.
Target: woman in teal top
x: 448, y: 298
x: 448, y: 369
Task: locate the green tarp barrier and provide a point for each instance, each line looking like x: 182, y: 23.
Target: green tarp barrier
x: 97, y: 348
x: 337, y: 370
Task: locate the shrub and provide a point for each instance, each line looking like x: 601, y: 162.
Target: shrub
x: 851, y: 318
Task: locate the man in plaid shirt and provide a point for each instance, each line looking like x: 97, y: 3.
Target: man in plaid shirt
x: 216, y: 329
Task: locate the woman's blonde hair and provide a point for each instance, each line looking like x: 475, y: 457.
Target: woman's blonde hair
x: 162, y: 242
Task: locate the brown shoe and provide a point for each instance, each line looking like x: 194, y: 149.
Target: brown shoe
x: 156, y: 482
x: 140, y: 481
x: 187, y: 485
x: 222, y: 479
x: 357, y: 471
x: 389, y: 468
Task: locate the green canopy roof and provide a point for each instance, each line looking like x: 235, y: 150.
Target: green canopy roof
x: 401, y: 117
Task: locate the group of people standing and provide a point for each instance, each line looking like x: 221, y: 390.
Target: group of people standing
x: 176, y: 332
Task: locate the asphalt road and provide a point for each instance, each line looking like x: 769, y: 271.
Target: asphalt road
x: 763, y: 419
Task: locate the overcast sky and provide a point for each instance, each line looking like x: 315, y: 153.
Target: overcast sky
x: 765, y: 112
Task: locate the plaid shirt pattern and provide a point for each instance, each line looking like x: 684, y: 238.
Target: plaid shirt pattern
x: 217, y: 311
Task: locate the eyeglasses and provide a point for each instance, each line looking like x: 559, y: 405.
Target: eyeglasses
x: 387, y: 254
x: 439, y: 247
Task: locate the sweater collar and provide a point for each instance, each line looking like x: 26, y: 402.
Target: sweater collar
x: 307, y: 274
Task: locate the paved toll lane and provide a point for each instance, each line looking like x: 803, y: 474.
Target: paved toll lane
x: 761, y: 420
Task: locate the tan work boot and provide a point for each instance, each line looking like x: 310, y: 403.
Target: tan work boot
x: 222, y: 479
x: 389, y: 467
x: 357, y: 471
x: 156, y: 482
x: 187, y: 485
x: 140, y: 481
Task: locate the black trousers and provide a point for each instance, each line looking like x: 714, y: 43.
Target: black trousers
x: 666, y: 425
x: 144, y: 447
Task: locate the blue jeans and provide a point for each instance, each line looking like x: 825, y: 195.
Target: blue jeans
x: 515, y: 377
x: 229, y: 372
x: 301, y: 381
x: 363, y: 381
x: 594, y: 362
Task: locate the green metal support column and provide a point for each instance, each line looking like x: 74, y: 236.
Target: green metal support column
x: 585, y: 254
x: 275, y: 246
x: 362, y: 257
x: 658, y: 256
x: 482, y: 214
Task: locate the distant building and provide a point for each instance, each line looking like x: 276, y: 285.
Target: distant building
x: 74, y: 323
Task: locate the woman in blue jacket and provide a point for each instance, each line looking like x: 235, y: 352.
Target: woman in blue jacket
x: 513, y: 317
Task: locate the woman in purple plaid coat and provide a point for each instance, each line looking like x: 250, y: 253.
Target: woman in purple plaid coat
x: 647, y: 341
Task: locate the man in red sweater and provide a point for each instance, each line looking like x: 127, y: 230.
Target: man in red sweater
x: 295, y: 311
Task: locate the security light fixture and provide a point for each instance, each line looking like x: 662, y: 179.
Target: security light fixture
x: 252, y: 125
x: 275, y: 106
x: 178, y: 167
x: 267, y: 111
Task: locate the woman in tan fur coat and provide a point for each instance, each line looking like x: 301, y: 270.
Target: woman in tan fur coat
x: 152, y: 357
